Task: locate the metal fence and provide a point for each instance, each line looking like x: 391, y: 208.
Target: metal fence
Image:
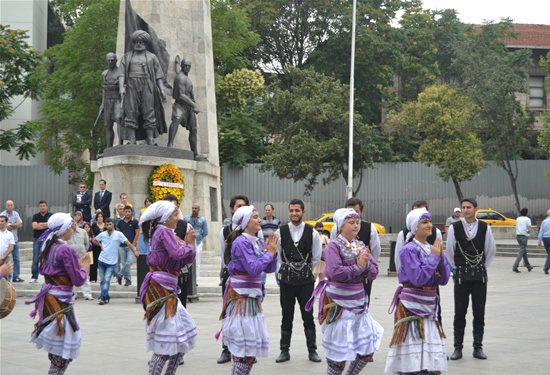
x: 389, y: 189
x: 26, y: 186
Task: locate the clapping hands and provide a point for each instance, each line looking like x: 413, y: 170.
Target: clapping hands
x: 271, y: 243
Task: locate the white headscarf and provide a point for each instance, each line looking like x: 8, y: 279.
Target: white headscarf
x: 161, y: 210
x: 413, y: 218
x: 343, y: 214
x: 241, y: 217
x: 57, y: 225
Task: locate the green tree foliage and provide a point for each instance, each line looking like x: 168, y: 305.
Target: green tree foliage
x: 231, y: 36
x: 17, y: 61
x: 72, y: 87
x: 544, y: 137
x: 307, y: 116
x: 446, y: 121
x: 240, y: 133
x: 492, y: 75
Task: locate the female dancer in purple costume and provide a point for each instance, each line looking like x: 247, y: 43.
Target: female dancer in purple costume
x: 171, y: 332
x: 349, y: 332
x: 418, y: 346
x: 243, y: 325
x: 57, y: 329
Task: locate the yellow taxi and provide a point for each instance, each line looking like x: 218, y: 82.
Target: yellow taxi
x: 328, y: 223
x: 495, y: 218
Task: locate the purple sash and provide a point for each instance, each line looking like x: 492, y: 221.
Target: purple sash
x: 351, y: 297
x: 420, y: 302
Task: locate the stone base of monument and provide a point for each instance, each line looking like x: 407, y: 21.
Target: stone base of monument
x: 127, y: 169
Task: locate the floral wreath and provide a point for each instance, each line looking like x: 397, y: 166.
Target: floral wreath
x: 166, y: 179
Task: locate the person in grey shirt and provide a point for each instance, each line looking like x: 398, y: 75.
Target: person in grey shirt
x: 81, y: 243
x: 452, y: 219
x: 544, y: 238
x: 523, y: 228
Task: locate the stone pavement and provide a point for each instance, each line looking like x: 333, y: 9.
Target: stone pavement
x: 516, y: 335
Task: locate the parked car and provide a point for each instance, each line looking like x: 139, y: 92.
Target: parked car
x: 328, y: 223
x: 495, y: 218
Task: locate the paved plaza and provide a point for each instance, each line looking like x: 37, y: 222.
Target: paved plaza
x: 516, y: 335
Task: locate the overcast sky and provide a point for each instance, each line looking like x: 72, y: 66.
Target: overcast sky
x: 475, y: 11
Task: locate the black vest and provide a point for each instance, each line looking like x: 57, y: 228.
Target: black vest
x: 431, y: 239
x: 304, y: 245
x: 478, y: 242
x: 227, y: 231
x: 364, y: 233
x: 181, y: 229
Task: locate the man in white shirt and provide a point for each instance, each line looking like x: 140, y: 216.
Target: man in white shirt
x: 523, y: 228
x: 14, y: 223
x: 299, y: 244
x: 7, y: 242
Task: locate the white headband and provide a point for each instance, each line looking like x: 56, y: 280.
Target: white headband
x: 161, y: 210
x: 343, y: 214
x: 57, y: 225
x: 241, y: 217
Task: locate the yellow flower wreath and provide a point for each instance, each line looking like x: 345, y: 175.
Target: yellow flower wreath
x: 166, y: 179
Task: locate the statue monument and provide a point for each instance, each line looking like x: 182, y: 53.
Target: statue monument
x: 110, y: 103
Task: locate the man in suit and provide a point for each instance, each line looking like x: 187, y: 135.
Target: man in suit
x: 102, y: 199
x: 82, y: 201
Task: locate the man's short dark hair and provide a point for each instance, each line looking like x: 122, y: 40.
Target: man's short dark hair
x: 470, y: 200
x: 524, y: 211
x: 235, y: 198
x: 105, y: 182
x: 39, y: 203
x: 297, y: 201
x: 121, y: 194
x: 270, y: 205
x: 319, y: 225
x: 128, y: 207
x: 4, y: 217
x: 171, y: 197
x: 420, y: 203
x: 352, y: 202
x: 108, y: 220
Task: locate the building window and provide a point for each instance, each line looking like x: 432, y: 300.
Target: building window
x: 537, y: 97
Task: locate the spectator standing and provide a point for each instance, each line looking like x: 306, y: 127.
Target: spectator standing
x: 119, y: 213
x: 39, y: 226
x: 130, y: 228
x: 319, y: 270
x: 470, y: 250
x: 14, y: 223
x: 110, y: 241
x: 523, y: 228
x: 144, y: 246
x: 102, y: 199
x: 7, y: 242
x: 80, y: 242
x: 453, y: 219
x: 124, y: 202
x: 200, y: 225
x: 82, y: 202
x: 544, y: 238
x: 270, y: 223
x: 97, y: 228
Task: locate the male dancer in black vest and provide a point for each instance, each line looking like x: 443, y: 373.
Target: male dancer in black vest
x: 470, y: 249
x: 367, y: 234
x: 299, y: 244
x: 235, y: 203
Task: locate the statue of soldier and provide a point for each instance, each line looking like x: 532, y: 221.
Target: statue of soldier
x: 141, y: 88
x: 184, y: 109
x: 110, y: 102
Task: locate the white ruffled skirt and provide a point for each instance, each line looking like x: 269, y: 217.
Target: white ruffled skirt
x: 66, y: 346
x: 171, y: 336
x: 245, y: 336
x: 350, y: 335
x: 414, y: 354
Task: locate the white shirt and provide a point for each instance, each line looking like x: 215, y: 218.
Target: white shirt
x: 374, y: 244
x: 401, y: 242
x: 6, y: 239
x: 522, y: 225
x: 296, y: 232
x: 490, y: 248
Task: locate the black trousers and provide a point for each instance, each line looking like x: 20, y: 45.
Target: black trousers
x: 182, y: 283
x: 367, y: 285
x: 289, y: 295
x: 462, y: 291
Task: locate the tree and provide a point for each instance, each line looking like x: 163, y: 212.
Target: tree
x: 446, y: 121
x: 306, y: 115
x: 544, y: 137
x: 492, y: 75
x: 17, y: 61
x: 231, y: 36
x: 73, y: 89
x: 240, y: 134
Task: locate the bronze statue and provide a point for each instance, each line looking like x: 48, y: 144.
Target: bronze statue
x: 110, y: 103
x: 184, y: 109
x: 141, y: 89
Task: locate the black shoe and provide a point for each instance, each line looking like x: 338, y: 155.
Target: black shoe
x: 516, y: 271
x: 18, y: 280
x: 457, y: 354
x: 224, y: 357
x: 181, y: 362
x: 283, y: 357
x: 478, y: 353
x: 314, y: 357
x: 529, y: 269
x: 545, y: 270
